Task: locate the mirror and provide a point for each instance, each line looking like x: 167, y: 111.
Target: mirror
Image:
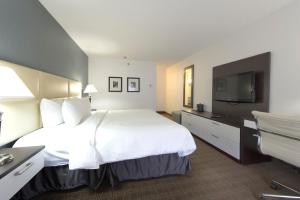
x: 188, y: 86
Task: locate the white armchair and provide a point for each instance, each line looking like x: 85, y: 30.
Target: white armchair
x: 279, y: 137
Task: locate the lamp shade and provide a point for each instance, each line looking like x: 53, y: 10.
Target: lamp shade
x: 90, y: 89
x: 11, y: 86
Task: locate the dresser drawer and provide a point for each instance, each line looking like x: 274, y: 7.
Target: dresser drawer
x: 228, y: 146
x: 188, y: 120
x: 229, y: 132
x: 203, y: 130
x: 231, y: 148
x: 16, y: 179
x: 185, y: 120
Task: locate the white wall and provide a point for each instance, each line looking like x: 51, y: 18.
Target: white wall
x: 278, y: 33
x: 161, y: 88
x: 99, y: 71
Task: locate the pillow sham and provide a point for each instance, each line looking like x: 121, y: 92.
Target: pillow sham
x: 75, y: 110
x: 51, y: 112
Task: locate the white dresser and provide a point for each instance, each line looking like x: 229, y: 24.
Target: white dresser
x: 220, y: 135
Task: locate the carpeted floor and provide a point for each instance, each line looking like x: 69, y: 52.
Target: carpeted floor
x: 214, y: 176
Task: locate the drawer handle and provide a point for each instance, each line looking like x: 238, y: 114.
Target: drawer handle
x: 27, y: 166
x: 215, y: 136
x: 215, y: 123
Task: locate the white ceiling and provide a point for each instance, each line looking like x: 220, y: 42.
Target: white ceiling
x: 163, y: 31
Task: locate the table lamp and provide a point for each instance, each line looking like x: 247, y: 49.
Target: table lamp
x: 89, y: 89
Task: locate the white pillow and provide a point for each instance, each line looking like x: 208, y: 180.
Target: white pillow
x: 51, y: 112
x: 75, y: 110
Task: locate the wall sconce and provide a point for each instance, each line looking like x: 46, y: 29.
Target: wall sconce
x: 12, y: 88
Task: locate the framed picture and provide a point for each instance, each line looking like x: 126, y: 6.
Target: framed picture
x: 115, y: 84
x: 133, y: 84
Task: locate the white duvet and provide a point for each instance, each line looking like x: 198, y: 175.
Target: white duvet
x: 55, y: 141
x: 111, y: 136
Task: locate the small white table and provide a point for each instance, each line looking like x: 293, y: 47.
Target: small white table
x: 28, y: 161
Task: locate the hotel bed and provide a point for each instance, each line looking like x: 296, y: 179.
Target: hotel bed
x: 109, y: 146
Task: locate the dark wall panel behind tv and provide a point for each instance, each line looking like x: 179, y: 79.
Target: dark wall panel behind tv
x: 259, y: 64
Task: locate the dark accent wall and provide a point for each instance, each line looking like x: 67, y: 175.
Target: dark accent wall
x: 30, y: 36
x: 260, y: 64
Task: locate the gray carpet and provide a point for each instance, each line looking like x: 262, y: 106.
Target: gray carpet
x: 214, y: 176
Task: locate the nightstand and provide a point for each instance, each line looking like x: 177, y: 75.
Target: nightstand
x: 27, y: 163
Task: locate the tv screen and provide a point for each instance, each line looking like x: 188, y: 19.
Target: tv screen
x: 235, y: 88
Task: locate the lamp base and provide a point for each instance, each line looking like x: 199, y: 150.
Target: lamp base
x: 6, y: 158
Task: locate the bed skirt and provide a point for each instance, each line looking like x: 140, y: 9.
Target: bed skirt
x: 61, y: 178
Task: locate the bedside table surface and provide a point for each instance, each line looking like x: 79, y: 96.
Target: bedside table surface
x: 21, y: 154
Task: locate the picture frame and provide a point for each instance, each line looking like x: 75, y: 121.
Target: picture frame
x: 115, y: 84
x: 133, y: 84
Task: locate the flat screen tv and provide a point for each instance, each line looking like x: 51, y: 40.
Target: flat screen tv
x: 238, y: 88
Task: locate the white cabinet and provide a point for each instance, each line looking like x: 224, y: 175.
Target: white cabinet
x: 17, y: 178
x: 222, y: 136
x: 190, y: 122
